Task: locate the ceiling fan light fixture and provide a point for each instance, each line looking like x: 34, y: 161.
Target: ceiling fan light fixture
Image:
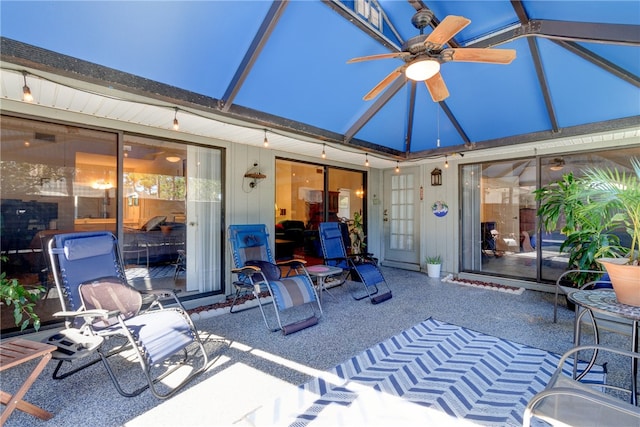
x: 557, y: 165
x: 422, y: 69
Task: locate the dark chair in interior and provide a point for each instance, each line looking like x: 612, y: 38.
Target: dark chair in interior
x: 292, y: 293
x: 361, y: 268
x: 289, y: 238
x: 105, y: 315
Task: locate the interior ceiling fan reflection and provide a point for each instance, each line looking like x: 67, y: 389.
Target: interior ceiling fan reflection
x: 423, y: 55
x: 557, y: 164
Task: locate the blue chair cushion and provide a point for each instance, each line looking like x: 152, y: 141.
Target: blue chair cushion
x: 87, y: 247
x: 292, y: 291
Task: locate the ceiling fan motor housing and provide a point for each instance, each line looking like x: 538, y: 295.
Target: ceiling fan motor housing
x: 422, y: 18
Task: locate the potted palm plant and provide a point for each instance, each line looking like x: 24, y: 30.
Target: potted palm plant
x: 616, y: 195
x: 597, y: 207
x: 588, y: 232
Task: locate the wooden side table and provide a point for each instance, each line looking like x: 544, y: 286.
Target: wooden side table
x: 15, y: 352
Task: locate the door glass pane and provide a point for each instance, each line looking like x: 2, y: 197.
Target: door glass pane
x: 154, y: 212
x: 170, y: 191
x: 205, y: 240
x: 306, y: 195
x: 299, y: 208
x: 402, y: 220
x: 54, y: 179
x: 552, y: 169
x: 498, y: 204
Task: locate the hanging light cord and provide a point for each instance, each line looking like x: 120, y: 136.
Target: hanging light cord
x: 438, y: 124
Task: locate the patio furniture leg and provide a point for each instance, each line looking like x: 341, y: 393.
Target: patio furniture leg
x: 14, y: 353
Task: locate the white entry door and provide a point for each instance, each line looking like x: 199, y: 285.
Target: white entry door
x: 401, y: 225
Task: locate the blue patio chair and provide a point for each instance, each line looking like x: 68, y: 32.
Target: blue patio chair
x: 361, y: 268
x: 257, y: 272
x: 105, y: 315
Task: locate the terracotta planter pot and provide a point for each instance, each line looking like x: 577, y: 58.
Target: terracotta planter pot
x: 625, y: 279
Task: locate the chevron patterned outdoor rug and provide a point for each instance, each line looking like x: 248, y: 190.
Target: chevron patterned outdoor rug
x: 434, y: 373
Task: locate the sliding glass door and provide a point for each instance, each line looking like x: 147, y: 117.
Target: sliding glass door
x: 308, y: 194
x: 164, y: 201
x: 499, y: 229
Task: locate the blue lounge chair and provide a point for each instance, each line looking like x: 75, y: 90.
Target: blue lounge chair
x: 105, y: 315
x: 256, y: 272
x: 361, y: 268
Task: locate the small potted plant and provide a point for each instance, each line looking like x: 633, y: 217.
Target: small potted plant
x: 20, y: 300
x: 434, y: 263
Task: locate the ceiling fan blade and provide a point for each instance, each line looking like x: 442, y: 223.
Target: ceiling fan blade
x: 437, y: 88
x: 449, y: 27
x: 378, y: 56
x: 493, y: 56
x: 384, y: 83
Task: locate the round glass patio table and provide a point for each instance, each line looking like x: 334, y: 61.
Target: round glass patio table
x: 604, y: 301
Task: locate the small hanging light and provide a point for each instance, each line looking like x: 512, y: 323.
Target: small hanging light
x: 397, y: 167
x: 446, y: 162
x: 26, y: 92
x: 266, y: 141
x: 366, y: 159
x: 324, y: 155
x: 176, y: 125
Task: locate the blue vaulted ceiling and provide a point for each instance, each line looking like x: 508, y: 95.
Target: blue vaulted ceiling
x: 283, y: 65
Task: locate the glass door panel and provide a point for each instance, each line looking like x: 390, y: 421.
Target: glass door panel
x: 306, y: 195
x: 54, y: 179
x: 400, y: 212
x: 498, y: 210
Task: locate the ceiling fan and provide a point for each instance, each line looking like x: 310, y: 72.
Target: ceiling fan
x: 423, y: 55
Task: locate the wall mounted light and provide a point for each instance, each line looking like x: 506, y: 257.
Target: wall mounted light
x: 324, y: 155
x: 366, y: 159
x: 436, y: 177
x: 266, y: 141
x: 26, y: 92
x: 254, y: 175
x: 176, y: 125
x: 446, y: 162
x: 397, y: 167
